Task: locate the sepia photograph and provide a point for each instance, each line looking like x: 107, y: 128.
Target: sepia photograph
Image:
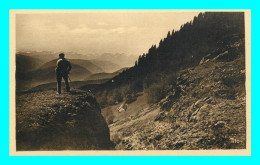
x: 130, y: 82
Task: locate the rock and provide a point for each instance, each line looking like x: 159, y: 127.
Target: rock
x: 229, y: 55
x: 71, y: 121
x: 168, y: 102
x: 219, y: 125
x: 158, y: 137
x: 178, y: 145
x: 221, y: 55
x: 225, y: 94
x: 160, y: 117
x: 122, y: 108
x: 211, y: 56
x: 205, y: 59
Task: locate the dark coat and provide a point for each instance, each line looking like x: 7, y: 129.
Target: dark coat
x: 63, y: 67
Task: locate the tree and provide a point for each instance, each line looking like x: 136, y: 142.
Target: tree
x: 173, y: 32
x: 169, y: 34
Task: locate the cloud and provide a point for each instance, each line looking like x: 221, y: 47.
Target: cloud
x: 102, y: 24
x: 121, y: 30
x: 117, y: 30
x: 84, y: 30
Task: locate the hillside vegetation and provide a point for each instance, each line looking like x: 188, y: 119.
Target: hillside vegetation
x: 210, y: 32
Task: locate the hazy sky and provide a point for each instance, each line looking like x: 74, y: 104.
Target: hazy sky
x: 129, y: 32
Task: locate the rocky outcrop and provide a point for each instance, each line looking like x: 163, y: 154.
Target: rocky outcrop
x: 70, y: 121
x: 226, y: 54
x: 210, y: 112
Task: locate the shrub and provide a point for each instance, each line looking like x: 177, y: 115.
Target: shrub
x: 117, y: 95
x: 116, y: 138
x: 156, y: 92
x: 110, y: 119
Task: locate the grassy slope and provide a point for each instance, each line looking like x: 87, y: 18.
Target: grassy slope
x: 132, y: 109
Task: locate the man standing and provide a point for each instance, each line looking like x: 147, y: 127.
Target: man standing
x: 62, y: 70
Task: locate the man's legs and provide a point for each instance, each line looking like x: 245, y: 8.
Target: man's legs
x: 66, y: 77
x: 59, y: 77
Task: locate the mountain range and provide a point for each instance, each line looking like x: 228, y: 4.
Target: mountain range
x: 33, y: 70
x: 120, y: 59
